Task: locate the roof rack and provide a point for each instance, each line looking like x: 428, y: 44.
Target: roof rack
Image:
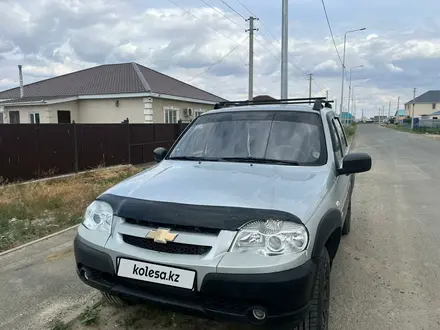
x: 317, y: 102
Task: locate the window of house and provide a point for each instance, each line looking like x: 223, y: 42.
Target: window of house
x: 197, y: 113
x: 34, y: 118
x: 171, y: 115
x: 433, y: 106
x: 1, y: 118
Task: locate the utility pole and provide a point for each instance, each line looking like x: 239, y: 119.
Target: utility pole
x: 310, y: 87
x: 251, y: 56
x: 284, y: 49
x: 389, y: 109
x: 362, y: 118
x: 326, y: 95
x: 398, y: 103
x: 414, y: 104
x: 349, y: 98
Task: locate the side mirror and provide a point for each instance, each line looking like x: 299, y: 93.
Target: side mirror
x: 355, y: 163
x: 159, y: 154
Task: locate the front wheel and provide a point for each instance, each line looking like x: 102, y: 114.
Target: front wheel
x: 115, y: 300
x: 317, y: 317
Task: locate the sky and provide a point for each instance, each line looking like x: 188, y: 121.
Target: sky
x: 399, y: 50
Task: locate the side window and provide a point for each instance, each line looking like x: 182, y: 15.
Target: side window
x: 336, y: 142
x: 341, y: 134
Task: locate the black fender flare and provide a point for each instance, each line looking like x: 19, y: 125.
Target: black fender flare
x: 331, y: 221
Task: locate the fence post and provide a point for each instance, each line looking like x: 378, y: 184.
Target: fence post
x: 180, y: 128
x: 128, y: 140
x: 37, y: 128
x: 75, y: 147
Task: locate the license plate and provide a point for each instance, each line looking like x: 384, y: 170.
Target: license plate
x: 147, y: 272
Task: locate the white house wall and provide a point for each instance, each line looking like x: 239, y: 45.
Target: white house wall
x: 66, y: 106
x: 106, y: 111
x: 159, y: 106
x: 421, y: 109
x: 25, y: 111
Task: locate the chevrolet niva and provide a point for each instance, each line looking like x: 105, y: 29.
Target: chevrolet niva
x: 240, y: 220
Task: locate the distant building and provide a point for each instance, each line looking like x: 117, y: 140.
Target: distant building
x: 400, y: 115
x: 346, y: 118
x: 424, y: 104
x: 376, y: 119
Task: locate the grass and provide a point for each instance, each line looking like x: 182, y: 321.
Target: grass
x: 90, y: 316
x: 402, y: 129
x: 421, y: 130
x: 33, y: 210
x: 57, y: 324
x: 350, y: 130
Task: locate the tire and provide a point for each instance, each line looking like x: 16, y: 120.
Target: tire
x: 317, y: 317
x: 347, y: 224
x: 115, y: 300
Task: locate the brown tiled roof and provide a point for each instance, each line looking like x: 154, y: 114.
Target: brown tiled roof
x: 110, y: 79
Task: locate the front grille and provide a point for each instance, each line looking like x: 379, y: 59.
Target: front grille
x: 170, y: 247
x: 186, y: 229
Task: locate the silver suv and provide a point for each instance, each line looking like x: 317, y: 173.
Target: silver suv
x: 240, y: 220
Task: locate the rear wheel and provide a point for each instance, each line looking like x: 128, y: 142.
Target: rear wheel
x: 347, y: 224
x: 317, y: 317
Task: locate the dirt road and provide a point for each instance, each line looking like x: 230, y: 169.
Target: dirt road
x: 387, y: 271
x: 39, y: 283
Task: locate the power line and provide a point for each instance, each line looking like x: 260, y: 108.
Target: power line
x: 262, y: 45
x: 271, y: 43
x: 297, y: 67
x: 218, y: 11
x: 188, y: 12
x: 241, y: 3
x: 331, y: 32
x: 226, y: 4
x: 261, y: 23
x: 214, y: 64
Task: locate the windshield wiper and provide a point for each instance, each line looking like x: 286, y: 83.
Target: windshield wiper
x: 206, y: 159
x: 258, y: 160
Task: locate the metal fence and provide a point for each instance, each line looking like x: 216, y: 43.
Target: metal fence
x: 427, y: 125
x: 29, y: 151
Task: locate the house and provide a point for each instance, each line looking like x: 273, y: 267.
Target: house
x: 378, y: 119
x: 106, y: 94
x: 400, y: 115
x: 424, y: 104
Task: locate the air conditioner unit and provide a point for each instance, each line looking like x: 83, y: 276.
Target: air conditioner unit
x: 187, y: 112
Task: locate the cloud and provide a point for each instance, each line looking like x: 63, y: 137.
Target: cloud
x: 53, y: 37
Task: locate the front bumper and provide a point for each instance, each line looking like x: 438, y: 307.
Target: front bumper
x: 285, y: 296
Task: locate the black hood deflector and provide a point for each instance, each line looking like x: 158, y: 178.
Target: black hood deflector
x: 204, y: 216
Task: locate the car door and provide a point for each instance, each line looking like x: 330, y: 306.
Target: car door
x: 340, y: 146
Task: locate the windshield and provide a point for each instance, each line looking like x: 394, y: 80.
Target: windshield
x: 292, y: 137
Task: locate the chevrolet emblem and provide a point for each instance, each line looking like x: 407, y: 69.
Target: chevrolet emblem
x: 161, y: 235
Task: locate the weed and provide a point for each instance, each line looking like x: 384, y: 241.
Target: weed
x: 90, y: 316
x: 128, y: 321
x: 57, y: 324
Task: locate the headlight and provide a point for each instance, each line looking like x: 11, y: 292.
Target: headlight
x: 99, y: 216
x: 271, y: 238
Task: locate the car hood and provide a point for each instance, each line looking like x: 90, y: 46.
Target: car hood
x: 294, y: 189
